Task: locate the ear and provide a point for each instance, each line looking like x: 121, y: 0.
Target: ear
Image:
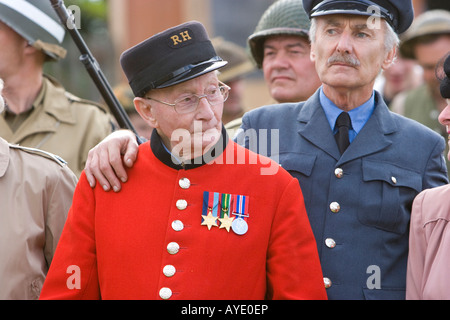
x: 312, y: 54
x: 144, y: 108
x: 28, y: 48
x: 389, y: 59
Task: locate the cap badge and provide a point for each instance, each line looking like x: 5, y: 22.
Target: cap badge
x: 178, y: 40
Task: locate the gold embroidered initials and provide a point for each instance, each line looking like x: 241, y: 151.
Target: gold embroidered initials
x: 184, y: 37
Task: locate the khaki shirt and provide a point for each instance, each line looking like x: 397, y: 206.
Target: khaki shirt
x: 418, y: 104
x: 36, y: 192
x: 62, y: 124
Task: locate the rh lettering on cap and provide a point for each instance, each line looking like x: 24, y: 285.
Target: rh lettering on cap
x: 180, y: 38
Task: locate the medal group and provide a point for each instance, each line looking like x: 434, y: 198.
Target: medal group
x: 225, y: 211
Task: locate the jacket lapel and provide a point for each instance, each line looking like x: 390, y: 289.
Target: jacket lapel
x: 373, y: 137
x: 314, y: 127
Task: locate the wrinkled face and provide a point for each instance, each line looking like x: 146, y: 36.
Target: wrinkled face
x: 288, y: 70
x: 187, y: 135
x: 444, y: 119
x: 347, y: 53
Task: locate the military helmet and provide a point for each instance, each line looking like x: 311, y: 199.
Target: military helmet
x: 284, y: 17
x: 36, y: 22
x: 428, y: 24
x: 239, y: 63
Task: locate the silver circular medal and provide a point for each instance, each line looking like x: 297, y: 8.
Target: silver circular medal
x: 239, y: 226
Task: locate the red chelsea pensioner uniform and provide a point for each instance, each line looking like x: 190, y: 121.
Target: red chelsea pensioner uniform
x: 154, y: 239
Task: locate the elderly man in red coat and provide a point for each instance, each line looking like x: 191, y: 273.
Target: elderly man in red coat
x: 201, y: 217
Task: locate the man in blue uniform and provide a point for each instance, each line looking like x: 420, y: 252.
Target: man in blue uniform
x: 359, y: 170
x: 358, y: 199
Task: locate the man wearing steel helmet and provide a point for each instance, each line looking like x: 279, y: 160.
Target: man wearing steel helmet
x: 280, y: 47
x: 39, y: 112
x: 195, y: 206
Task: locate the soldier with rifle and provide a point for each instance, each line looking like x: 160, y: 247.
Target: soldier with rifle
x: 39, y: 112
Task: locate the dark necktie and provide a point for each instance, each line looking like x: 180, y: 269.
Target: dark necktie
x: 343, y: 124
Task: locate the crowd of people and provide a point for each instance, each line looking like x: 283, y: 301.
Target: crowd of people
x: 347, y: 165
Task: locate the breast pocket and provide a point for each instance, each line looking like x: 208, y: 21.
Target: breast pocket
x: 300, y: 166
x: 387, y: 192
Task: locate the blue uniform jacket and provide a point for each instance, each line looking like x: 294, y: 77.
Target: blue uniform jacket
x: 359, y: 204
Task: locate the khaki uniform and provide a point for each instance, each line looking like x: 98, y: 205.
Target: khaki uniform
x: 418, y: 104
x: 62, y: 124
x: 35, y: 194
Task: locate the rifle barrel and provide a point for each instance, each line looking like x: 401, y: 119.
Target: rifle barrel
x: 93, y: 68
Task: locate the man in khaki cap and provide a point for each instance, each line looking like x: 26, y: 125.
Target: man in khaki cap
x: 427, y: 41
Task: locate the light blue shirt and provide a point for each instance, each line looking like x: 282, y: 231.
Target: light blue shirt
x: 359, y: 115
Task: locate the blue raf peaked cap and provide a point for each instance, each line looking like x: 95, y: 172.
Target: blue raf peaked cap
x: 398, y: 13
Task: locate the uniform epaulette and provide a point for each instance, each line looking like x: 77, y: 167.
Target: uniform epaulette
x: 41, y: 153
x: 75, y: 98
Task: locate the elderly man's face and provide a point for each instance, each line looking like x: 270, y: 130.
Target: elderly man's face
x: 348, y: 54
x: 191, y: 134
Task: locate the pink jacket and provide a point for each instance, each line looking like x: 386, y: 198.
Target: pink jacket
x: 429, y: 246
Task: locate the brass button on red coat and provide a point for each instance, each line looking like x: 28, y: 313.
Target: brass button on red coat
x: 181, y: 204
x: 169, y: 271
x: 184, y: 183
x: 173, y: 248
x: 177, y: 225
x: 165, y: 293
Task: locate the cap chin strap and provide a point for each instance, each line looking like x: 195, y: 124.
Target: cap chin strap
x: 53, y: 50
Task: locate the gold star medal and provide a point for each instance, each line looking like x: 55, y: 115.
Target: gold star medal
x: 209, y: 221
x: 226, y: 222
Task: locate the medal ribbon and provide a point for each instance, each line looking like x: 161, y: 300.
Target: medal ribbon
x: 225, y: 205
x: 241, y: 206
x: 210, y: 203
